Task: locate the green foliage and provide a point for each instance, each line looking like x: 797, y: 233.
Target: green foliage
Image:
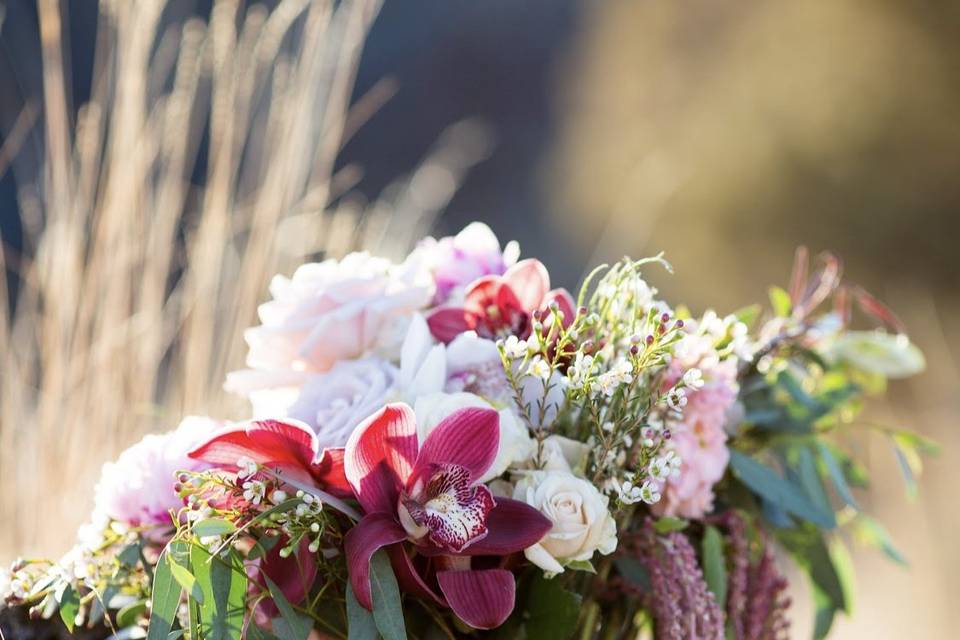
x: 551, y: 611
x: 213, y: 527
x: 668, y: 524
x: 387, y: 610
x: 165, y: 598
x: 223, y: 582
x: 292, y: 626
x: 714, y: 565
x: 360, y: 622
x: 766, y: 483
x: 69, y: 602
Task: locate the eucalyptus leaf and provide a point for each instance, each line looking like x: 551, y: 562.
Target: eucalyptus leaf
x: 295, y: 627
x: 129, y: 556
x: 387, y: 610
x: 69, y: 602
x: 213, y: 527
x: 766, y: 483
x: 224, y: 585
x: 836, y: 475
x: 360, y: 622
x: 165, y: 598
x: 187, y: 580
x: 714, y: 565
x: 633, y: 571
x: 128, y: 615
x: 553, y: 611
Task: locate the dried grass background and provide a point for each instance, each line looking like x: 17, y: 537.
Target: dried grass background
x: 135, y: 282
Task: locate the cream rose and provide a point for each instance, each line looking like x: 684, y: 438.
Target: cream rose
x: 582, y: 524
x: 516, y: 445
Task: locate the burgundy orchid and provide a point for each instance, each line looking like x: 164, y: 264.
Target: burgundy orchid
x: 289, y: 447
x: 427, y: 494
x: 499, y: 306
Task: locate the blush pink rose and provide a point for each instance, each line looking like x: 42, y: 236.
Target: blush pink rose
x: 328, y: 312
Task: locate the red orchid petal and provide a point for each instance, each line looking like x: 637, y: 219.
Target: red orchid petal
x: 290, y: 446
x: 380, y: 456
x: 530, y: 282
x: 373, y: 532
x: 468, y: 437
x: 566, y: 303
x: 293, y: 575
x: 512, y: 526
x: 455, y: 512
x: 449, y: 322
x: 482, y: 599
x: 329, y: 472
x: 481, y: 293
x: 410, y: 579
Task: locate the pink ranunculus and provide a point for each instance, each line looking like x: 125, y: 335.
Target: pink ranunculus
x: 137, y: 488
x: 327, y: 312
x: 700, y: 439
x: 456, y: 261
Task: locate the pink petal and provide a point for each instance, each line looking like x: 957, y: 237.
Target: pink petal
x: 482, y: 599
x: 530, y: 282
x: 329, y: 472
x: 447, y: 323
x: 409, y: 577
x: 481, y: 293
x: 373, y: 532
x: 380, y: 456
x: 468, y: 437
x: 289, y: 446
x: 566, y: 303
x: 512, y: 526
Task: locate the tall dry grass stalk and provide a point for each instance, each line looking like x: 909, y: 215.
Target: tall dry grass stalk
x: 135, y: 283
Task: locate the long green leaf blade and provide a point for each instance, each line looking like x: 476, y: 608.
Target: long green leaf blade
x: 387, y: 611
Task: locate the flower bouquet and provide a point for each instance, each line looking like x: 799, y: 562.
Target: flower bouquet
x: 449, y: 447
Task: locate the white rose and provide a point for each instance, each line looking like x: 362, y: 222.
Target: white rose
x: 335, y: 402
x: 329, y: 312
x: 516, y: 445
x: 582, y: 524
x: 564, y: 454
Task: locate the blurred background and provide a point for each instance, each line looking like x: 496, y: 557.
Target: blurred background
x: 160, y: 159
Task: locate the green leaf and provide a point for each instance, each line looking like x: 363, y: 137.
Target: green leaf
x: 824, y: 615
x: 69, y: 603
x: 892, y: 356
x: 633, y: 571
x: 224, y: 585
x: 213, y: 527
x: 294, y: 626
x: 748, y: 315
x: 175, y: 635
x: 387, y: 611
x: 360, y: 622
x: 165, y: 598
x: 868, y: 531
x: 766, y: 483
x: 668, y: 524
x: 780, y: 302
x: 262, y: 546
x: 186, y: 579
x: 714, y: 566
x: 128, y: 615
x: 810, y: 479
x: 581, y: 565
x: 836, y: 475
x: 130, y: 555
x: 553, y: 611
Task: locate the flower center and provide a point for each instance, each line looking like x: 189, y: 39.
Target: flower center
x: 448, y: 510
